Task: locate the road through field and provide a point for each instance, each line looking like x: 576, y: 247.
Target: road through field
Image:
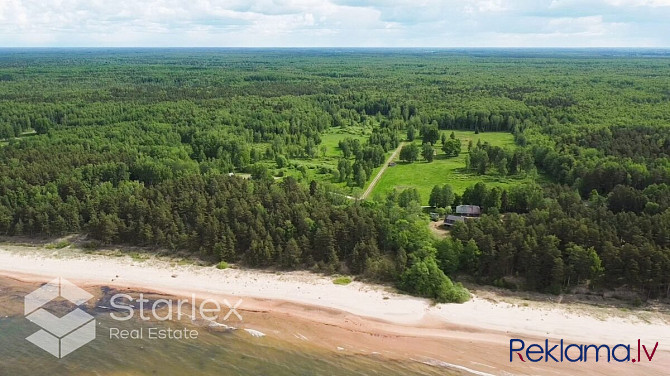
x: 374, y: 181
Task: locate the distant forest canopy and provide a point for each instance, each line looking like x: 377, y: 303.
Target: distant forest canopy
x: 135, y: 146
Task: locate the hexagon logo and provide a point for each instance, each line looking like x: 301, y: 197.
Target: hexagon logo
x: 59, y: 336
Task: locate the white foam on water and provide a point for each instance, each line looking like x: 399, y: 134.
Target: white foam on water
x: 218, y: 324
x: 255, y: 333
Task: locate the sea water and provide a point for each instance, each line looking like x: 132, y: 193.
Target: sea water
x: 216, y: 350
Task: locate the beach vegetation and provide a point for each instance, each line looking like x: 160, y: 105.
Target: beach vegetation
x: 58, y: 245
x: 342, y: 280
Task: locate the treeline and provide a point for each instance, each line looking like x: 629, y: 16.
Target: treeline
x: 518, y: 198
x: 555, y: 242
x: 258, y: 223
x: 506, y: 161
x: 602, y: 167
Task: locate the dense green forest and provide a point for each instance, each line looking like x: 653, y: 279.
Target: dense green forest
x: 252, y: 156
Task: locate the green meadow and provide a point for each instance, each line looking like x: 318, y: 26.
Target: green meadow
x: 327, y: 156
x: 331, y: 139
x: 424, y: 176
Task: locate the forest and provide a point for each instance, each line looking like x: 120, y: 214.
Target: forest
x: 257, y: 157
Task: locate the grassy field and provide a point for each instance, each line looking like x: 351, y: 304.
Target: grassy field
x: 329, y: 145
x: 424, y: 176
x: 331, y: 139
x: 420, y: 174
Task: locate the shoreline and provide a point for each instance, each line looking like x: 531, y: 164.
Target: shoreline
x: 474, y: 335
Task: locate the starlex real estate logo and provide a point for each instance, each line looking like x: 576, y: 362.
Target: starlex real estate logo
x: 59, y: 336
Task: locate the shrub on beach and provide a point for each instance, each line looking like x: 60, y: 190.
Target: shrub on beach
x: 222, y: 265
x: 424, y: 278
x: 59, y: 245
x: 342, y: 281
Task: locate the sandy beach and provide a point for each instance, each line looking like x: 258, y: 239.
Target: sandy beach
x: 304, y: 307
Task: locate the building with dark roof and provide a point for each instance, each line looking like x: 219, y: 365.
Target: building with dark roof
x: 469, y: 210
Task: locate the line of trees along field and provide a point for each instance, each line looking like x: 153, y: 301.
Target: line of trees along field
x: 136, y: 147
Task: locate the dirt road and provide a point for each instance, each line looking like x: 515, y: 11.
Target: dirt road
x: 374, y: 181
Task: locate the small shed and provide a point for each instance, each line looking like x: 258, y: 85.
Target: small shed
x: 451, y: 219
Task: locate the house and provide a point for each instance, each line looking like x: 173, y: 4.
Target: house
x: 468, y: 210
x: 451, y: 219
x: 463, y: 213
